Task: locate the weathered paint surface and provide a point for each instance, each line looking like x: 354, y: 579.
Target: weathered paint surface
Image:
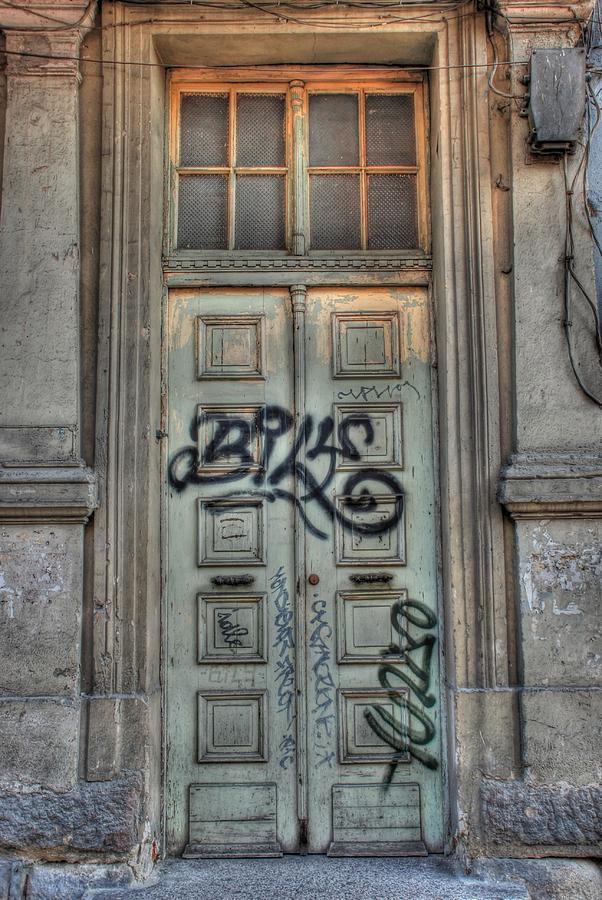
x: 561, y: 566
x: 323, y: 500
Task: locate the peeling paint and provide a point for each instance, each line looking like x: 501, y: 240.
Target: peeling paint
x: 559, y: 572
x: 9, y: 598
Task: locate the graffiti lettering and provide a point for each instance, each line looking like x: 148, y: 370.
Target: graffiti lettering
x: 371, y: 392
x: 231, y: 631
x: 287, y: 751
x: 324, y: 685
x: 284, y: 668
x: 414, y: 728
x: 231, y: 444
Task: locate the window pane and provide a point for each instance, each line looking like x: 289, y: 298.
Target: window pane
x: 335, y: 212
x: 204, y: 130
x: 333, y: 130
x: 259, y: 130
x: 392, y: 221
x: 259, y: 203
x: 390, y: 138
x: 202, y: 212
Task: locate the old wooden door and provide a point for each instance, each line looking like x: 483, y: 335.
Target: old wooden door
x: 302, y: 632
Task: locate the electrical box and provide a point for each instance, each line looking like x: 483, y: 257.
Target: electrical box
x: 557, y: 99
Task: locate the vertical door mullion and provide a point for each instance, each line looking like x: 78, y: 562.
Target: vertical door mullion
x: 298, y: 294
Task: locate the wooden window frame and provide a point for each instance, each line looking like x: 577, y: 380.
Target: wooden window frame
x: 230, y: 171
x: 297, y: 84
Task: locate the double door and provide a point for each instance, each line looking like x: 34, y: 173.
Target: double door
x: 302, y: 628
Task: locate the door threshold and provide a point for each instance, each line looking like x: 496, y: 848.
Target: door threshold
x: 232, y: 851
x: 377, y: 848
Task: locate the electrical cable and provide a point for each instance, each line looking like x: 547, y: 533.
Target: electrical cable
x: 489, y: 13
x: 153, y: 65
x: 387, y: 19
x: 569, y: 274
x: 591, y: 130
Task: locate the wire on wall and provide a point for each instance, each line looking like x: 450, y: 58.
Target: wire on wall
x: 571, y: 279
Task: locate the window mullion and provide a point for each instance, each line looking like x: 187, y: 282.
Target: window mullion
x: 363, y: 175
x: 299, y: 180
x: 232, y: 174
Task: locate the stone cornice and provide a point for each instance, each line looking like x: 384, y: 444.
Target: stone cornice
x: 49, y: 494
x: 551, y: 13
x: 554, y: 485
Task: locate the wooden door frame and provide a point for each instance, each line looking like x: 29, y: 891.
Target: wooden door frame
x: 125, y: 651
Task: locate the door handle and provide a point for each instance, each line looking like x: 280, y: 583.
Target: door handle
x: 371, y: 578
x: 232, y: 580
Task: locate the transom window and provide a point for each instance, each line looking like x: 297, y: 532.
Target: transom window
x: 297, y: 167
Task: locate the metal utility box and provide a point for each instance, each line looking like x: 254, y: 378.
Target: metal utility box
x: 557, y: 99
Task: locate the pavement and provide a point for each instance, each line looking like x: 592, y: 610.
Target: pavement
x: 317, y: 877
x: 311, y: 877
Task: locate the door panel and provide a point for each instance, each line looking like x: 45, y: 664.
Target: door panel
x: 302, y: 636
x: 373, y: 701
x: 230, y: 663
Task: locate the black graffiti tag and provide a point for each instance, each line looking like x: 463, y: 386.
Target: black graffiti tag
x: 230, y: 448
x: 414, y: 728
x: 231, y: 631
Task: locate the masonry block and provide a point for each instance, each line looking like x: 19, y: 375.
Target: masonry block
x: 560, y: 819
x: 92, y: 818
x: 563, y: 735
x: 40, y: 608
x: 561, y: 594
x: 40, y: 743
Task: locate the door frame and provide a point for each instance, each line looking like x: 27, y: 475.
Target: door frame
x: 128, y: 582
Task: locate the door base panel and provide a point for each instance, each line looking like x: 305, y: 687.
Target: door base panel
x: 377, y: 848
x: 231, y: 851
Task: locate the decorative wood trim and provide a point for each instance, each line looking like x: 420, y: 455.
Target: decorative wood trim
x: 282, y: 74
x: 178, y: 263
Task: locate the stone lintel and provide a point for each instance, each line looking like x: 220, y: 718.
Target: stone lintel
x: 552, y: 485
x: 47, y: 494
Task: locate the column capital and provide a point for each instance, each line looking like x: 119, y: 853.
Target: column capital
x: 36, y: 46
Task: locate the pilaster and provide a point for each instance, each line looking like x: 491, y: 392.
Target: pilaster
x: 40, y: 263
x: 46, y: 492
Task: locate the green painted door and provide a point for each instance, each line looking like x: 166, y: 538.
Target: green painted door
x: 302, y: 635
